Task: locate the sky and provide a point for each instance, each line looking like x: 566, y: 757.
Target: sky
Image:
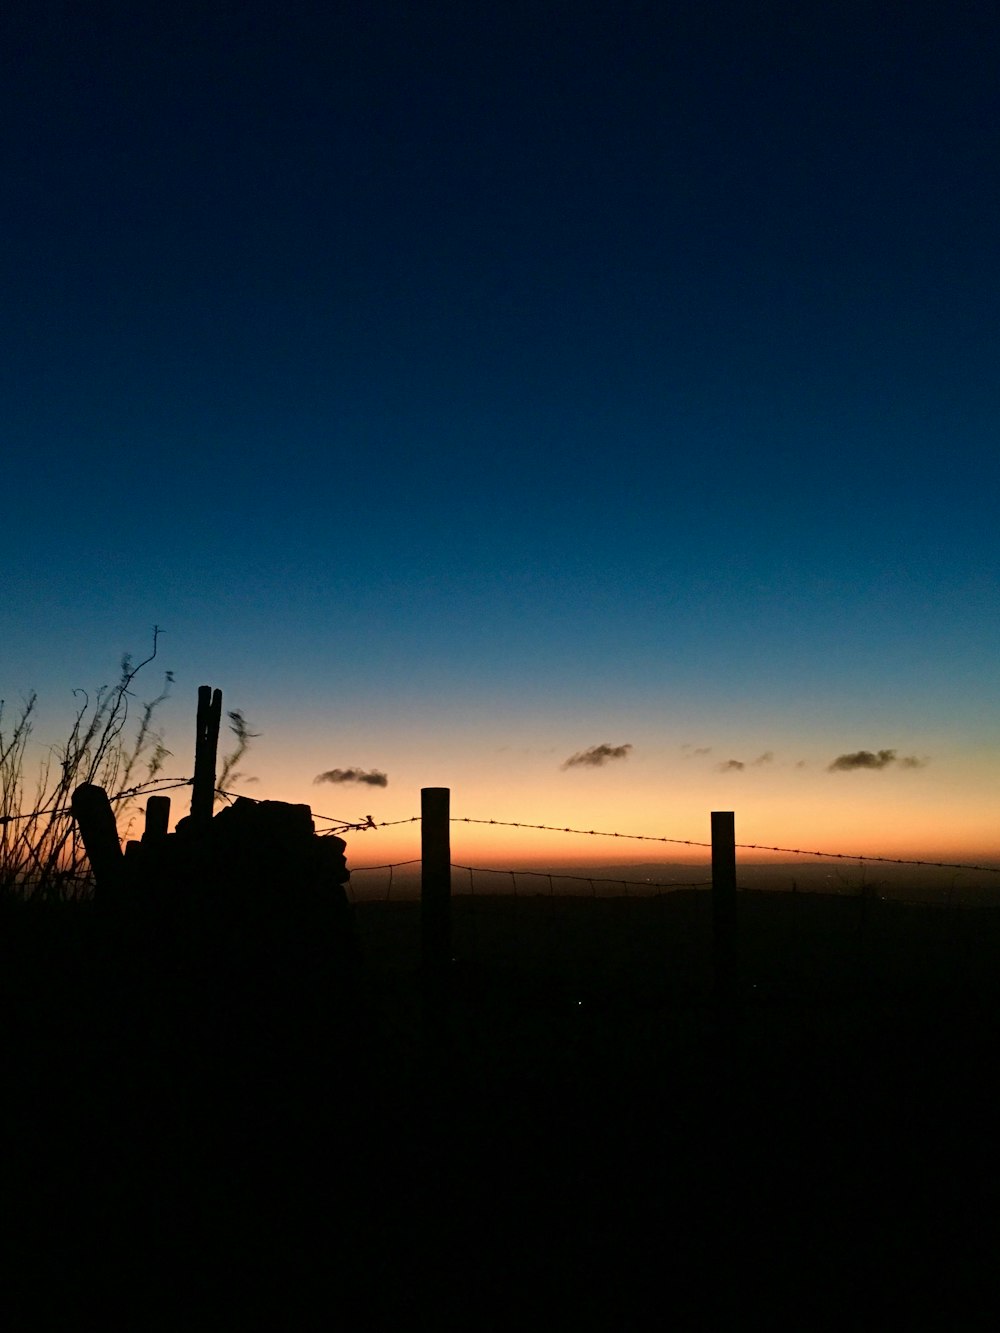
x: 464, y: 387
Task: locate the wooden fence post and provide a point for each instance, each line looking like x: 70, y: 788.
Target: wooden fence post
x: 724, y: 902
x: 205, y: 747
x: 157, y: 818
x: 435, y: 882
x: 96, y: 819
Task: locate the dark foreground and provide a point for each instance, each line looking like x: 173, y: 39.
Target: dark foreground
x: 579, y: 1132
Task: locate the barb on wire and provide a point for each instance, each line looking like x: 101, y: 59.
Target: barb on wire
x: 348, y: 826
x: 367, y: 822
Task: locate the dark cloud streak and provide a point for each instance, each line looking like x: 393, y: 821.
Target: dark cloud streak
x: 372, y: 778
x: 597, y: 756
x: 873, y: 759
x: 846, y: 763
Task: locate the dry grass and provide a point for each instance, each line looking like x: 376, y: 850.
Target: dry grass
x: 41, y: 853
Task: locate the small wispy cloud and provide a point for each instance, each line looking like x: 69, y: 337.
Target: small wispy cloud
x: 596, y: 756
x: 696, y: 751
x: 731, y: 766
x: 873, y: 759
x: 766, y: 758
x: 372, y: 777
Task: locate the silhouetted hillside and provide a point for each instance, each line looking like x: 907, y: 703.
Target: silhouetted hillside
x: 586, y: 1130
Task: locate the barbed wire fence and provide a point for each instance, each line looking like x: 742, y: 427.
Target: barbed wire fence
x: 502, y: 912
x: 339, y: 825
x: 395, y: 881
x: 859, y: 860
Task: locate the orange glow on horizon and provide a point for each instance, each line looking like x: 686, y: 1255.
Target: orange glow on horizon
x: 943, y: 812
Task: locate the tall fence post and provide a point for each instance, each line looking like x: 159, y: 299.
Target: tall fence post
x: 435, y: 882
x: 206, y: 745
x: 724, y: 902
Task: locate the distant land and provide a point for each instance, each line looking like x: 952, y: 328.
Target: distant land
x: 904, y: 883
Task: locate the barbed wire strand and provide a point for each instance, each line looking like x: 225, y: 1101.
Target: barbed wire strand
x: 591, y: 833
x: 390, y: 865
x: 861, y: 857
x: 742, y: 846
x: 64, y: 808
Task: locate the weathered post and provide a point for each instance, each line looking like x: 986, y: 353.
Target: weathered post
x: 205, y: 747
x: 96, y: 819
x: 724, y: 902
x: 157, y: 818
x: 435, y: 882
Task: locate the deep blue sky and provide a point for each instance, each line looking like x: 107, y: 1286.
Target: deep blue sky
x: 520, y: 357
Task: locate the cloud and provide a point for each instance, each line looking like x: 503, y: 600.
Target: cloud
x: 911, y: 761
x: 766, y: 758
x: 373, y: 778
x: 731, y: 766
x: 696, y: 751
x: 846, y: 763
x: 596, y: 756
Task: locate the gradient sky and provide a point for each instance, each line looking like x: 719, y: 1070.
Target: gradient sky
x: 461, y: 387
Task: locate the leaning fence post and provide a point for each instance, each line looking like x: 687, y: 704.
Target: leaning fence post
x: 205, y: 746
x: 724, y: 901
x: 96, y: 820
x: 435, y: 882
